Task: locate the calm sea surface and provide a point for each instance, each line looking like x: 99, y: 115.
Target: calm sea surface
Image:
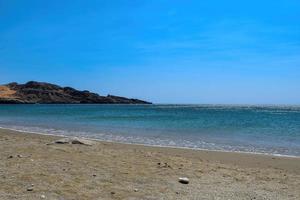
x: 258, y: 129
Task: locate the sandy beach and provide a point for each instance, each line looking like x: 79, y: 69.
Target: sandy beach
x: 30, y: 168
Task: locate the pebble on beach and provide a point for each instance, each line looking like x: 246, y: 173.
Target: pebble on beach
x: 183, y: 180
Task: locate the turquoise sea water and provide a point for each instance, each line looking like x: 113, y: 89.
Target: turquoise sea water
x: 258, y: 129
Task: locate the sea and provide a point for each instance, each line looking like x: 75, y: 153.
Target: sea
x: 261, y: 129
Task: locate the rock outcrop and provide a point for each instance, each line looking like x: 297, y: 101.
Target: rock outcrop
x: 34, y: 92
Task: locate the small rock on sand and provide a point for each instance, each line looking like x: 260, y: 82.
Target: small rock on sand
x: 165, y: 165
x: 184, y: 180
x: 30, y: 189
x: 62, y: 141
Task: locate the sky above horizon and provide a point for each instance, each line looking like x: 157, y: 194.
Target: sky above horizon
x: 227, y: 52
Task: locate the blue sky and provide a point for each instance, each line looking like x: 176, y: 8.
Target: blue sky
x: 158, y: 50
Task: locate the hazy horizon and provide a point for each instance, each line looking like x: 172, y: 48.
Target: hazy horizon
x: 220, y: 52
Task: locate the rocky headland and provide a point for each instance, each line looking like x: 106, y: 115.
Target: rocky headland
x: 34, y: 92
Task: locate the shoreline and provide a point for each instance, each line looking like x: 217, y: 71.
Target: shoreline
x: 159, y: 146
x: 109, y: 170
x: 220, y: 153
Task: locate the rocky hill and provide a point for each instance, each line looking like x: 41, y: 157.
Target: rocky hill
x: 45, y: 93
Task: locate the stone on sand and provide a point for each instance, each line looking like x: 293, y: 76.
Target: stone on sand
x: 184, y: 180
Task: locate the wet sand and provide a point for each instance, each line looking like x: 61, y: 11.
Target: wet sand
x: 31, y: 169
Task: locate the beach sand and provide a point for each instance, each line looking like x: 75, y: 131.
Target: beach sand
x: 122, y: 171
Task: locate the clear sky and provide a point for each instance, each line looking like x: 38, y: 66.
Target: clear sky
x: 165, y: 51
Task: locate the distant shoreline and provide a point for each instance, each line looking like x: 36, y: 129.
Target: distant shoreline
x: 170, y: 104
